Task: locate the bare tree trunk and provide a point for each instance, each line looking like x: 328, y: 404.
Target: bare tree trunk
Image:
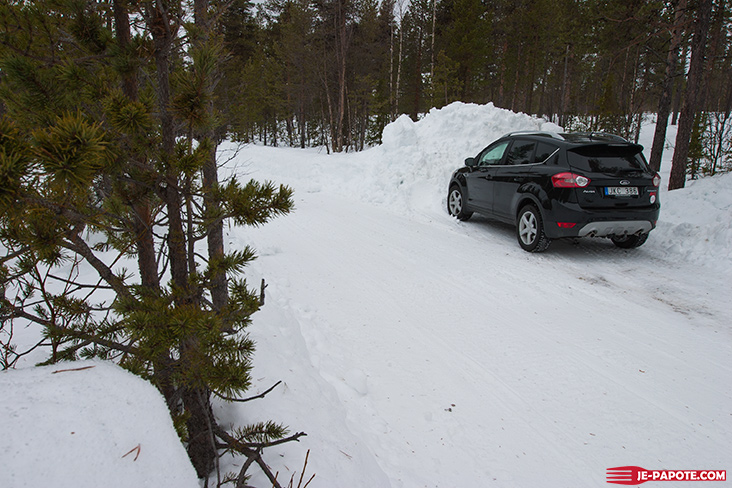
x: 679, y: 85
x: 432, y: 53
x: 418, y: 78
x: 723, y: 118
x: 391, y: 72
x: 502, y: 78
x: 566, y: 83
x: 717, y: 37
x: 399, y: 59
x: 514, y: 90
x: 341, y: 50
x: 531, y: 69
x: 302, y: 124
x: 690, y: 107
x: 124, y: 37
x: 664, y: 104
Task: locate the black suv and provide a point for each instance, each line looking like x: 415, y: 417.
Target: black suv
x: 554, y: 185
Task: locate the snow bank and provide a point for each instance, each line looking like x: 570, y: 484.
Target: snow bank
x: 100, y: 426
x: 696, y: 223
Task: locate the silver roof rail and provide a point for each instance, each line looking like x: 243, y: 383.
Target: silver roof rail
x: 596, y: 136
x: 553, y: 135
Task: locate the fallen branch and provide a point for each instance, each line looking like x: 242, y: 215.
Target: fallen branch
x: 262, y: 287
x: 73, y: 369
x: 302, y: 474
x: 136, y: 448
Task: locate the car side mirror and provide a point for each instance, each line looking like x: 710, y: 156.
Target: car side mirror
x: 470, y: 162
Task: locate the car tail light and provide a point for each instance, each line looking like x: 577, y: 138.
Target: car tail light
x: 656, y: 180
x: 566, y: 225
x: 569, y: 180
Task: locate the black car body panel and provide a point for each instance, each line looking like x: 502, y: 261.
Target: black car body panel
x: 584, y: 184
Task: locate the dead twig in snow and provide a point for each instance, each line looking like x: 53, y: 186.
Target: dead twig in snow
x: 136, y: 448
x: 72, y: 369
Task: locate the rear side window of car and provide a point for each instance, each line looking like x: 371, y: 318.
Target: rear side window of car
x: 608, y: 159
x: 544, y: 151
x: 521, y: 152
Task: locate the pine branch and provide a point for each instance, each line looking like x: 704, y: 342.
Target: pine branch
x: 284, y: 440
x: 89, y: 338
x: 18, y: 355
x: 250, y: 453
x: 26, y: 53
x: 243, y: 400
x: 79, y: 286
x: 71, y: 214
x: 241, y: 479
x: 17, y: 312
x: 15, y: 254
x: 77, y: 244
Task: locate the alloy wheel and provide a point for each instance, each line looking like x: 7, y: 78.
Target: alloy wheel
x: 455, y: 202
x: 528, y: 228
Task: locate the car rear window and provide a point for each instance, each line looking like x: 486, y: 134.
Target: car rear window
x: 608, y: 159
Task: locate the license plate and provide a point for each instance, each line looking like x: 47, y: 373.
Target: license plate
x: 621, y: 191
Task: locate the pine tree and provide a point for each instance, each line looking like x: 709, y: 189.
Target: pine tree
x: 107, y: 159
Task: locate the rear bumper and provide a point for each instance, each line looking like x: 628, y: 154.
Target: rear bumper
x: 598, y: 222
x: 615, y: 228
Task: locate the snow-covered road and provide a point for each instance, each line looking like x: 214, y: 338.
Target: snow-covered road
x: 457, y: 359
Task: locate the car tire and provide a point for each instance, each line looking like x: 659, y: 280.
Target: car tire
x: 629, y: 242
x: 530, y: 230
x: 456, y: 204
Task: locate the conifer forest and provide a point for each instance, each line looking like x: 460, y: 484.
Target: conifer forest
x: 334, y: 73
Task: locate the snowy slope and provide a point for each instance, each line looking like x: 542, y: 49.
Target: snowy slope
x: 419, y: 351
x: 78, y: 424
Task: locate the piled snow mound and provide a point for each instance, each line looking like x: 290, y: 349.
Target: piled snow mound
x: 696, y: 223
x: 66, y: 427
x: 462, y: 128
x: 412, y: 166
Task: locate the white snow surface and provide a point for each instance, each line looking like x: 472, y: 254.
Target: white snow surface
x: 419, y: 351
x: 80, y: 424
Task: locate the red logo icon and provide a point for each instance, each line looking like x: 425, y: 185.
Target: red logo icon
x: 635, y: 475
